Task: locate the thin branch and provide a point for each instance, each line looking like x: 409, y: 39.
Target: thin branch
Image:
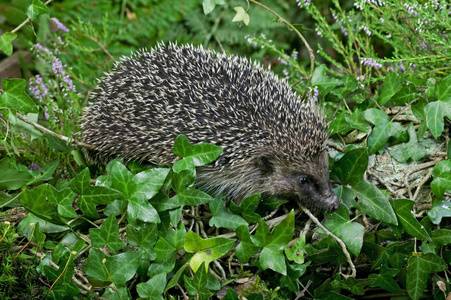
x: 339, y: 241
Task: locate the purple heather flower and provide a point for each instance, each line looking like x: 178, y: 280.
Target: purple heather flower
x: 366, y: 29
x: 39, y: 90
x: 371, y: 62
x: 410, y: 9
x: 302, y: 3
x: 343, y: 30
x: 401, y: 67
x: 34, y: 167
x: 59, y: 25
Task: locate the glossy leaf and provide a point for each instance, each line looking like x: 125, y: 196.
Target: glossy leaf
x: 403, y: 209
x: 6, y: 43
x: 418, y: 270
x: 205, y: 250
x: 349, y: 232
x: 107, y: 234
x: 15, y: 97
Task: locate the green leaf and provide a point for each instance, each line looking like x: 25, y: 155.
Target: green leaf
x: 412, y: 149
x: 12, y: 179
x: 296, y: 252
x: 441, y: 237
x: 45, y: 173
x: 209, y: 5
x: 439, y: 210
x: 349, y: 232
x: 119, y: 268
x: 107, y: 234
x: 442, y: 178
x: 383, y: 129
x: 91, y: 196
x: 152, y: 288
x: 294, y: 272
x: 339, y: 124
x: 15, y: 97
x: 351, y: 166
x: 193, y: 155
x: 247, y: 208
x: 271, y: 257
x: 192, y: 197
x: 140, y: 209
x: 35, y: 9
x: 443, y: 90
x: 197, y: 285
x: 48, y: 203
x: 222, y: 217
x: 385, y: 280
x: 357, y: 120
x: 403, y: 209
x: 6, y: 43
x: 205, y: 250
x: 419, y: 267
x: 246, y: 247
x: 150, y: 181
x: 435, y: 112
x: 324, y: 83
x: 391, y: 85
x: 374, y: 203
x: 241, y: 15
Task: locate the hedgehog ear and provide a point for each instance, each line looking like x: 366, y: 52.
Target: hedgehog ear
x: 266, y: 164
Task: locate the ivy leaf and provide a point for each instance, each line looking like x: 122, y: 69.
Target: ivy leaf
x: 357, y: 120
x: 246, y: 247
x: 436, y: 111
x: 91, y: 196
x: 198, y: 284
x: 223, y: 218
x: 6, y: 43
x: 205, y: 250
x: 439, y: 210
x: 419, y: 267
x: 391, y: 85
x: 107, y: 234
x: 296, y: 252
x: 442, y: 178
x: 209, y: 5
x: 351, y: 166
x: 271, y: 256
x: 403, y: 209
x: 373, y: 202
x: 441, y: 237
x: 192, y: 197
x: 117, y: 269
x: 193, y: 155
x: 48, y: 203
x: 35, y: 9
x: 241, y: 15
x: 349, y: 232
x: 385, y: 280
x: 339, y: 124
x: 324, y: 82
x: 383, y: 129
x: 412, y: 149
x: 152, y: 288
x: 247, y: 208
x: 15, y: 97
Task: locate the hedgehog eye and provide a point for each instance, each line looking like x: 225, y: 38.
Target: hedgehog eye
x: 303, y: 180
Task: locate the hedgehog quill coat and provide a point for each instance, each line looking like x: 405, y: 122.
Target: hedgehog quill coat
x: 273, y: 143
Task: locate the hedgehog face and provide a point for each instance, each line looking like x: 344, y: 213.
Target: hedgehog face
x: 306, y: 181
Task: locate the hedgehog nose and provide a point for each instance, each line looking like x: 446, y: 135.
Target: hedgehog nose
x: 334, y: 203
x: 335, y: 206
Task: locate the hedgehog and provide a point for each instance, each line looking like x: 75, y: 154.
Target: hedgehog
x: 273, y: 143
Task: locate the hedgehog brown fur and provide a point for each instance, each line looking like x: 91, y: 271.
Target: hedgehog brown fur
x: 273, y: 143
